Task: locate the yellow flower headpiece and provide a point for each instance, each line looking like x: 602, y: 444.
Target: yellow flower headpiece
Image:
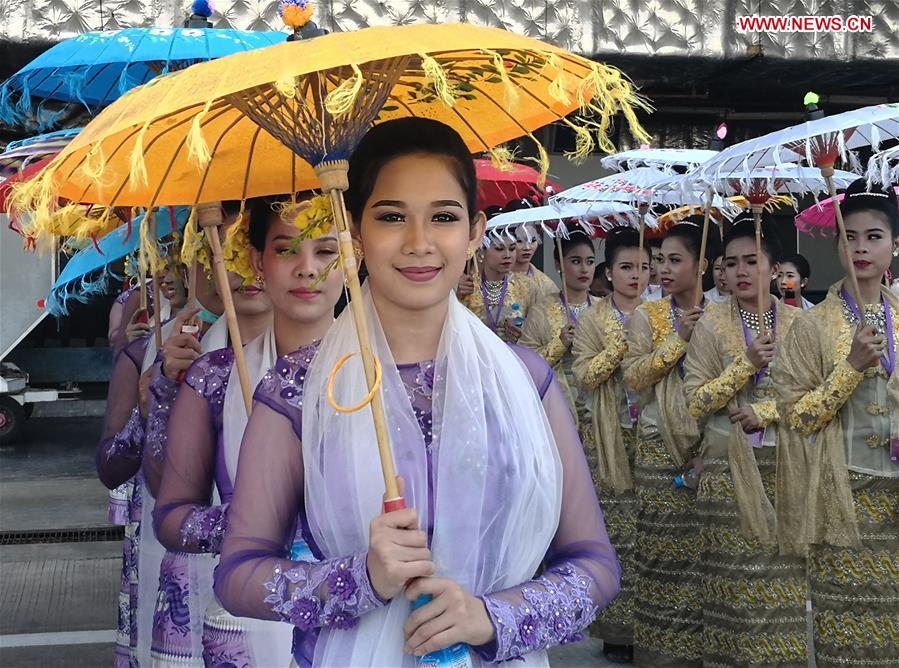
x: 313, y: 217
x: 236, y: 249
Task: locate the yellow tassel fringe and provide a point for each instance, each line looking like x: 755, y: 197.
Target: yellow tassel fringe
x: 138, y: 173
x: 341, y: 99
x: 197, y: 148
x: 436, y: 76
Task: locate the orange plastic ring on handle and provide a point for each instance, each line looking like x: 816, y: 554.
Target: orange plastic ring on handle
x: 365, y: 402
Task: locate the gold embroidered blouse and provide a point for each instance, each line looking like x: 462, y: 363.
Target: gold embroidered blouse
x: 652, y: 367
x: 522, y: 291
x: 840, y: 420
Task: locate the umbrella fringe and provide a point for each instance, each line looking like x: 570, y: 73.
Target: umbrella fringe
x: 138, y: 173
x: 343, y: 98
x: 94, y: 162
x: 23, y: 107
x: 584, y: 144
x: 502, y: 158
x: 510, y: 92
x: 47, y: 120
x: 197, y: 148
x: 557, y: 88
x: 151, y: 248
x: 7, y: 109
x: 436, y: 76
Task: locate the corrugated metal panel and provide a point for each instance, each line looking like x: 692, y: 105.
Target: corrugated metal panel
x: 669, y: 27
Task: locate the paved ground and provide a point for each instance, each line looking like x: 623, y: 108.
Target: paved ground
x: 58, y: 600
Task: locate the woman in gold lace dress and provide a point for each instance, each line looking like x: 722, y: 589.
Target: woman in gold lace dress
x: 838, y: 474
x: 667, y: 600
x: 552, y: 321
x: 754, y: 600
x: 598, y: 349
x: 499, y: 296
x: 525, y: 248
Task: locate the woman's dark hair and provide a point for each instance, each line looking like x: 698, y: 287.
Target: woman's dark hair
x: 576, y: 237
x: 401, y: 137
x: 620, y: 238
x: 744, y: 228
x: 261, y: 212
x: 689, y: 232
x: 801, y: 264
x: 883, y: 200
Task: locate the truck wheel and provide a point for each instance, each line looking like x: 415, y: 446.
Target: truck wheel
x: 12, y: 420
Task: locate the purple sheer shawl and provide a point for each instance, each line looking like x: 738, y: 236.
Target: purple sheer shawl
x: 118, y: 455
x: 256, y: 578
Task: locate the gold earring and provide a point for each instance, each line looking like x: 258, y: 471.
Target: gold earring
x: 896, y: 253
x: 469, y: 254
x: 260, y: 280
x: 359, y: 253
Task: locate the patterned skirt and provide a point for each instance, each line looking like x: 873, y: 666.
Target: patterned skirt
x: 615, y: 623
x: 126, y: 634
x: 174, y: 643
x: 754, y: 600
x: 668, y: 588
x: 224, y: 639
x: 855, y: 593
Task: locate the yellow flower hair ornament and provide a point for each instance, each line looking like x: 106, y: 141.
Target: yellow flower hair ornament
x: 236, y: 249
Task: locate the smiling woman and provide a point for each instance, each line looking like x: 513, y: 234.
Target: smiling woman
x: 490, y: 460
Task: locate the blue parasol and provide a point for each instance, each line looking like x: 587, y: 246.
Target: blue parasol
x: 96, y: 68
x: 79, y: 279
x: 19, y: 154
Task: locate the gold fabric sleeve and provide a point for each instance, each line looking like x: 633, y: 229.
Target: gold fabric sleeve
x: 705, y: 394
x: 656, y: 347
x: 602, y: 347
x: 766, y: 412
x: 814, y: 498
x: 541, y: 332
x: 817, y: 408
x: 598, y: 348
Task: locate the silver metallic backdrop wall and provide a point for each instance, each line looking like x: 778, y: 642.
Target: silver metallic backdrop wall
x: 669, y: 27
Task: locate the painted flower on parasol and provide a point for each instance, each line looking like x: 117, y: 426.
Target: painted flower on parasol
x: 284, y: 118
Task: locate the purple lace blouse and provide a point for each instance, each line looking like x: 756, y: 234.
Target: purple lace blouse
x: 188, y: 456
x: 118, y: 455
x: 256, y: 578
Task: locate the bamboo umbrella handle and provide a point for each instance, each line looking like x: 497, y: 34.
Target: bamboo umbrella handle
x: 643, y: 208
x: 209, y: 217
x: 827, y: 173
x: 142, y: 270
x: 764, y: 295
x: 704, y: 246
x: 157, y: 323
x: 562, y: 272
x: 333, y: 177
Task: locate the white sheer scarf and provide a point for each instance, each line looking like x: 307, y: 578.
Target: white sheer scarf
x: 151, y: 551
x: 497, y: 473
x: 269, y: 642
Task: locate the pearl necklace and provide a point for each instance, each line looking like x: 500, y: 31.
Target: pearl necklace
x: 752, y: 320
x: 577, y: 309
x: 494, y: 290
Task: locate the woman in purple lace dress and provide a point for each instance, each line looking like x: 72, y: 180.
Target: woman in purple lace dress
x: 118, y: 459
x: 482, y: 437
x: 200, y: 452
